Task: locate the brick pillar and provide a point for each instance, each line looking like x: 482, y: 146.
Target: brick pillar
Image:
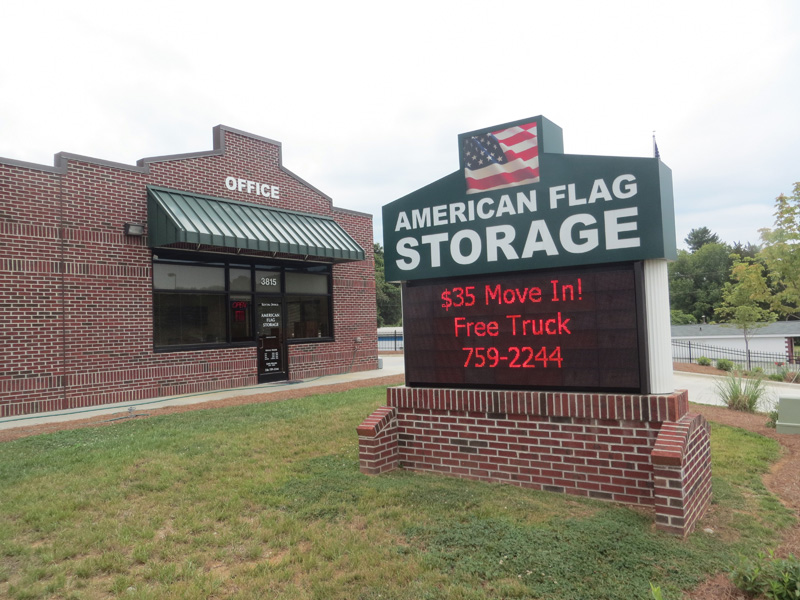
x: 682, y: 473
x: 377, y: 442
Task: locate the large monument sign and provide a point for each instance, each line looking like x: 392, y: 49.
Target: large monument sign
x: 507, y: 264
x: 536, y: 324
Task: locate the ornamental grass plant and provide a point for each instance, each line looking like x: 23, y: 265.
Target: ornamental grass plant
x: 741, y: 393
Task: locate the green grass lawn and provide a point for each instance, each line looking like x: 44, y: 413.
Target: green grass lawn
x: 266, y: 501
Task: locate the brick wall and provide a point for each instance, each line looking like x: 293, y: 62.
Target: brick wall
x: 682, y: 473
x: 378, y: 442
x: 75, y: 293
x: 594, y: 445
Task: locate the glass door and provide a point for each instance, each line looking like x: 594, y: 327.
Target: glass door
x: 271, y: 345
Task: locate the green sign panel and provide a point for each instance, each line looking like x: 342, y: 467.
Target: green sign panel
x: 519, y: 203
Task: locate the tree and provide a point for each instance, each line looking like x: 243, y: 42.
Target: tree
x: 699, y: 237
x: 744, y: 300
x: 781, y: 253
x: 387, y: 294
x: 747, y: 250
x: 678, y: 317
x: 696, y: 280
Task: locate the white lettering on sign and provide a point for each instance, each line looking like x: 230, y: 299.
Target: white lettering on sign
x: 577, y: 234
x: 266, y: 190
x: 623, y: 187
x: 614, y: 228
x: 463, y: 212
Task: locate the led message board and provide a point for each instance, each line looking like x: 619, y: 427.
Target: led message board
x: 569, y: 329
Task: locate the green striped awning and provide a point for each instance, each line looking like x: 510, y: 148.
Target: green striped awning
x: 178, y: 217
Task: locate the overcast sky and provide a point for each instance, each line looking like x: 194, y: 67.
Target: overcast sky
x: 368, y: 98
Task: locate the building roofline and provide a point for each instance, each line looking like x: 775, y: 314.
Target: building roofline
x: 59, y: 169
x: 61, y: 159
x: 349, y: 211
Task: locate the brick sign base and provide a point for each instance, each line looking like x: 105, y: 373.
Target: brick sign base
x: 634, y: 449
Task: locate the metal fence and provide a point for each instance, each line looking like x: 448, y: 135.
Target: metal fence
x: 769, y: 362
x: 392, y: 341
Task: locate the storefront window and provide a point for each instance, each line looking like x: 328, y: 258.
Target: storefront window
x: 240, y: 279
x: 309, y: 317
x: 188, y: 319
x: 306, y: 283
x: 213, y: 304
x: 188, y: 277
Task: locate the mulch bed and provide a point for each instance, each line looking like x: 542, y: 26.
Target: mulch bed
x: 695, y: 368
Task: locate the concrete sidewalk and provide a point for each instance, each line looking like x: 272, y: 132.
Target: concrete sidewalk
x: 702, y: 390
x: 392, y: 365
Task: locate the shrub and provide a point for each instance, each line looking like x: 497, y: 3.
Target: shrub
x: 772, y: 419
x: 775, y: 578
x: 741, y: 393
x: 704, y: 361
x: 785, y: 374
x: 755, y: 372
x: 725, y: 364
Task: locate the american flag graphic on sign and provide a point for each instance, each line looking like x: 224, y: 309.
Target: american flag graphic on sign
x: 501, y: 159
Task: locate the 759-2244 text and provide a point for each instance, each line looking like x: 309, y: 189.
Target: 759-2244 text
x: 515, y: 357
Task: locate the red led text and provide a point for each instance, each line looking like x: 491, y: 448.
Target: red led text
x: 476, y: 328
x: 556, y: 326
x: 515, y: 357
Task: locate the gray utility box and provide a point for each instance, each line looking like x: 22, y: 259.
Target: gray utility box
x: 788, y: 415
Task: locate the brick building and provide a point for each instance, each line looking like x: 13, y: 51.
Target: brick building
x: 181, y: 274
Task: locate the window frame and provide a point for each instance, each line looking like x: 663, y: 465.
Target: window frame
x: 161, y: 256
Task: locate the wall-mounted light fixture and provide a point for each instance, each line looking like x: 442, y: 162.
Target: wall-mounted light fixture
x: 134, y: 229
